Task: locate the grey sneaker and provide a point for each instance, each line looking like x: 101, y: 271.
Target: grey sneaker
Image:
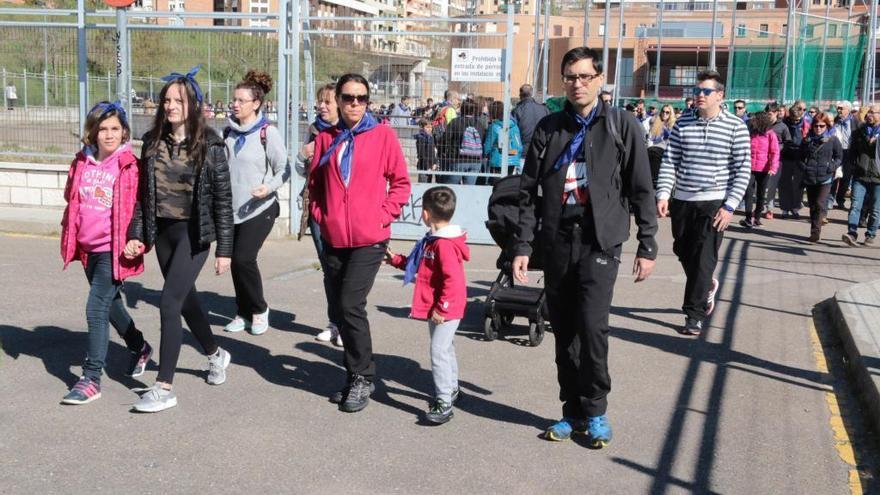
x: 692, y: 327
x: 440, y: 412
x: 154, y: 399
x: 340, y: 395
x: 217, y: 365
x: 358, y: 395
x: 849, y: 239
x: 869, y: 242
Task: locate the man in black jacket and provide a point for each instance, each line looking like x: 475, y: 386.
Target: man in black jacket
x: 590, y: 163
x: 528, y: 113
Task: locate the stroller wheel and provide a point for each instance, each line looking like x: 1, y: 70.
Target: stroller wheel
x: 536, y: 333
x: 490, y: 328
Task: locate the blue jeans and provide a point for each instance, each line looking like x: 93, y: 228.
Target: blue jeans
x: 469, y: 167
x: 104, y: 307
x: 859, y: 190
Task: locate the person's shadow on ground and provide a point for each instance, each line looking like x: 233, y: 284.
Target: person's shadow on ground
x: 61, y: 349
x: 401, y: 376
x: 221, y: 309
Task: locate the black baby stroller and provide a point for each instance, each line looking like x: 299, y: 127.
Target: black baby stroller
x: 506, y: 300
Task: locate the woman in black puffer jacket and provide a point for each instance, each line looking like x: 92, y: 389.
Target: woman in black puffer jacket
x: 821, y: 152
x: 185, y: 204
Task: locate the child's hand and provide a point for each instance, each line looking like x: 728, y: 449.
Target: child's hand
x: 389, y: 254
x: 133, y: 248
x: 437, y: 318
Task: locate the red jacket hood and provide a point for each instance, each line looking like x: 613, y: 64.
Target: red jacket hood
x: 458, y: 237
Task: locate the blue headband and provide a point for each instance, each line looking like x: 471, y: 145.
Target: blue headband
x: 107, y: 107
x: 189, y: 76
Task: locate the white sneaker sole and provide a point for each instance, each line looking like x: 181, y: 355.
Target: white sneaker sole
x: 72, y: 402
x: 258, y: 330
x: 157, y: 407
x: 324, y: 336
x: 234, y: 328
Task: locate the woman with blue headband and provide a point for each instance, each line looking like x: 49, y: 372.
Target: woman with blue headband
x: 185, y: 204
x: 257, y: 167
x: 101, y: 193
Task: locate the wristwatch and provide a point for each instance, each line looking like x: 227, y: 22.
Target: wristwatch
x: 727, y: 207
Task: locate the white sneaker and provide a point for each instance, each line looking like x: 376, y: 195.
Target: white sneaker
x: 217, y: 365
x: 329, y: 334
x: 236, y: 325
x: 154, y: 399
x: 260, y: 323
x: 338, y: 340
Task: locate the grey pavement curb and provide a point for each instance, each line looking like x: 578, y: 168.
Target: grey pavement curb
x: 854, y: 313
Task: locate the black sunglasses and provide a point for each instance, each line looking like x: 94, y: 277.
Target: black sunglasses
x: 361, y: 99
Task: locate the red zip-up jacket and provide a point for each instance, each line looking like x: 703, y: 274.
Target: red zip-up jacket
x: 125, y: 191
x: 361, y: 213
x: 440, y: 286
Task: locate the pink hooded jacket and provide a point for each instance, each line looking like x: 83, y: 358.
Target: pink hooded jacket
x: 765, y: 152
x: 124, y: 197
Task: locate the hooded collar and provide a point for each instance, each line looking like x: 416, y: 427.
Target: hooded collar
x: 449, y: 232
x: 236, y: 126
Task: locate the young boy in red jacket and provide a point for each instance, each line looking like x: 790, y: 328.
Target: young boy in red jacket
x: 436, y: 265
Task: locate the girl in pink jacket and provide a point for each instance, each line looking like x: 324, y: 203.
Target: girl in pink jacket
x: 436, y: 265
x: 765, y: 164
x: 101, y: 191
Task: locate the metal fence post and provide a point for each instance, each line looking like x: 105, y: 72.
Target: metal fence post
x: 293, y: 49
x: 109, y: 88
x: 45, y: 89
x: 122, y: 92
x: 618, y: 57
x: 81, y: 57
x: 5, y: 103
x: 25, y: 91
x: 659, y: 51
x: 508, y: 56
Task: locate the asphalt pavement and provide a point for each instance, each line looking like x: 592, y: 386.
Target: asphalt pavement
x: 742, y: 409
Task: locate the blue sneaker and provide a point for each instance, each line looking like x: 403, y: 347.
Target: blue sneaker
x: 599, y: 431
x: 562, y: 430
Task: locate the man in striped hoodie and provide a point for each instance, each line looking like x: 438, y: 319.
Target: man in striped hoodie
x: 705, y: 171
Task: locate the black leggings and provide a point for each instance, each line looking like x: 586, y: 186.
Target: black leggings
x: 180, y: 265
x: 246, y: 278
x: 757, y: 190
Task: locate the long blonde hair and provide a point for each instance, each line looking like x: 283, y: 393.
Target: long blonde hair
x: 657, y: 123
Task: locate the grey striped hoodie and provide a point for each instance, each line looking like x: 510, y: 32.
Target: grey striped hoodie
x: 706, y: 160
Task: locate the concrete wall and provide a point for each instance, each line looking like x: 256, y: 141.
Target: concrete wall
x: 32, y: 185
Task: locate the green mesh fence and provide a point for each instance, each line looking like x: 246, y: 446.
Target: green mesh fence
x: 825, y: 63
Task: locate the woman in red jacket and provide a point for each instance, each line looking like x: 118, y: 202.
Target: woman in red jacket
x: 357, y: 185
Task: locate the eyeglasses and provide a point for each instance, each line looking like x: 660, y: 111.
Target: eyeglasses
x: 583, y: 78
x: 238, y: 101
x: 360, y: 99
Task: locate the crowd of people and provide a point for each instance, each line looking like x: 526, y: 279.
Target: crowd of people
x: 584, y: 171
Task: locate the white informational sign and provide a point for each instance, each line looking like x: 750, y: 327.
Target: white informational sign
x: 477, y: 64
x: 471, y: 213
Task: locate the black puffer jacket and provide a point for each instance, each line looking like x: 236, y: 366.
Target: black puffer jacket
x: 212, y: 202
x: 820, y: 160
x: 863, y: 152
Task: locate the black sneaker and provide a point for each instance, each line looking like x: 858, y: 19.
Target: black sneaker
x: 746, y: 222
x: 849, y: 239
x: 138, y: 363
x: 358, y: 395
x: 692, y: 327
x: 440, y: 412
x: 338, y: 396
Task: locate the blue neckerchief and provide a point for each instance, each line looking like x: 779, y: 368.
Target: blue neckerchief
x: 106, y: 107
x: 578, y: 140
x: 240, y: 136
x: 321, y: 125
x: 872, y: 131
x: 368, y: 122
x: 189, y: 77
x: 415, y: 258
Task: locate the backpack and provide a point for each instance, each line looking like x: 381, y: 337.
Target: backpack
x: 612, y: 124
x: 471, y: 144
